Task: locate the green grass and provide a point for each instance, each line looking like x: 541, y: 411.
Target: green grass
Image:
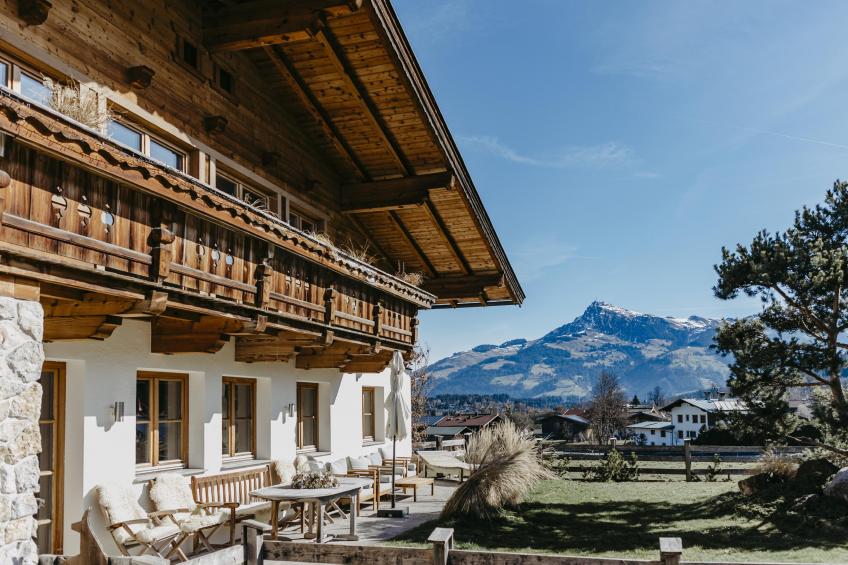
x: 626, y: 519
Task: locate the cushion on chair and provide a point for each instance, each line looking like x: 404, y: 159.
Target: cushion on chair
x: 282, y: 472
x: 170, y: 491
x: 386, y: 453
x: 150, y: 535
x: 388, y: 478
x: 120, y: 504
x: 200, y: 521
x: 339, y: 466
x: 375, y: 458
x: 360, y: 463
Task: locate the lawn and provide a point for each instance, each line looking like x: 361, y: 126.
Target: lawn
x: 626, y: 519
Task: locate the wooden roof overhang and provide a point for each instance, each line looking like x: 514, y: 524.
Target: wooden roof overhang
x: 348, y: 72
x: 278, y: 291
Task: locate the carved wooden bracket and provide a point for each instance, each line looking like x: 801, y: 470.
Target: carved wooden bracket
x: 140, y: 76
x: 160, y: 241
x: 34, y: 12
x: 215, y: 124
x: 264, y: 275
x: 329, y: 305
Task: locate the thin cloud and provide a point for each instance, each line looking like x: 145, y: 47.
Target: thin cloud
x: 644, y: 68
x: 596, y: 156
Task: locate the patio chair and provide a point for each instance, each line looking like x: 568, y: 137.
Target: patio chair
x: 369, y: 493
x: 446, y: 463
x: 171, y: 493
x: 133, y: 528
x: 384, y: 473
x: 409, y: 465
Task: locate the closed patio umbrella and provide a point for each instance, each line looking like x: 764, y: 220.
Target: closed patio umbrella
x: 400, y: 412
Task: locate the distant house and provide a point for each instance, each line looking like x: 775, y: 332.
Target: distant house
x: 652, y: 432
x: 691, y: 416
x: 447, y: 432
x: 645, y: 413
x: 569, y: 427
x: 473, y: 422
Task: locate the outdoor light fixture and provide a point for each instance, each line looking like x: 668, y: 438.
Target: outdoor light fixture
x: 291, y: 410
x: 118, y: 411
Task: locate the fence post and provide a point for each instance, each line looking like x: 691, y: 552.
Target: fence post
x: 252, y: 533
x: 670, y: 551
x: 687, y: 456
x: 442, y: 540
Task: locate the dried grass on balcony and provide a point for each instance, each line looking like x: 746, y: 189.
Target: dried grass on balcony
x: 414, y: 278
x: 323, y: 238
x: 78, y: 103
x: 360, y: 251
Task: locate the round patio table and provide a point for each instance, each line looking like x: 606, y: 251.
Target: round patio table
x: 319, y: 498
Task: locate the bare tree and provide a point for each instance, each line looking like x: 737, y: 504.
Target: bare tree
x: 607, y: 409
x: 421, y: 382
x: 657, y: 397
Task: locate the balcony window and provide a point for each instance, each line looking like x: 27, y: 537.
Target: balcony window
x: 4, y: 74
x: 33, y: 88
x: 304, y: 222
x: 261, y: 199
x: 142, y: 141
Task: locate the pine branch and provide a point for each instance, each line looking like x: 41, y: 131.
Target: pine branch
x: 813, y: 443
x: 800, y: 307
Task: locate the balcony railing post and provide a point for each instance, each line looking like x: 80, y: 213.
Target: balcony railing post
x: 414, y: 328
x: 378, y: 318
x: 329, y: 305
x: 161, y: 240
x: 264, y: 279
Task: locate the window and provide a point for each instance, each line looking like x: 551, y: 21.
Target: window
x: 253, y: 196
x: 238, y: 417
x: 307, y: 416
x: 653, y: 432
x: 187, y: 53
x: 680, y: 434
x: 161, y: 423
x: 662, y: 433
x: 224, y: 80
x: 4, y: 73
x: 368, y: 413
x: 703, y: 418
x: 33, y: 88
x: 680, y: 418
x: 139, y: 140
x: 687, y: 417
x: 303, y: 222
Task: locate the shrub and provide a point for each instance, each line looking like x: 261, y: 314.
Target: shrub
x: 714, y: 469
x: 508, y: 467
x: 776, y: 467
x: 613, y: 467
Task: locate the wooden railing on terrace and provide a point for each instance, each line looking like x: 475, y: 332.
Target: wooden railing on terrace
x: 80, y: 201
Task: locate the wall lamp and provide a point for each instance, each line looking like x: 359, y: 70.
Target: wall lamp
x: 118, y: 411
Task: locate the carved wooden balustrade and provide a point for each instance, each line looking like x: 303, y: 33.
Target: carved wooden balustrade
x: 80, y: 208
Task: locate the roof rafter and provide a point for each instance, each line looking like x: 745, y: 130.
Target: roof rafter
x: 425, y: 262
x: 393, y: 194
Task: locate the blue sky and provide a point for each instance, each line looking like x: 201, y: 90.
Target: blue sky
x: 619, y: 145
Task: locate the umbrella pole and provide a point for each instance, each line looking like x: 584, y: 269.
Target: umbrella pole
x: 394, y: 465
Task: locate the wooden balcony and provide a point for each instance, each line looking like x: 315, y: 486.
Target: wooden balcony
x: 104, y: 234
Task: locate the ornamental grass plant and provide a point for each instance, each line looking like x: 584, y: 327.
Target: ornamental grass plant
x: 508, y: 466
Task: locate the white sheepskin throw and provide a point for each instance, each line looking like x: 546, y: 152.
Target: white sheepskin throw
x: 119, y: 504
x: 170, y: 491
x: 283, y: 472
x: 300, y: 463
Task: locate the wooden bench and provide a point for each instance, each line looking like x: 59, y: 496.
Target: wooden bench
x: 233, y: 488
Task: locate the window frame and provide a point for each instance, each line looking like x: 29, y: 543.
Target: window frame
x: 299, y: 421
x: 242, y: 187
x: 373, y: 435
x: 146, y: 138
x: 14, y: 70
x: 301, y: 216
x: 231, y: 425
x: 153, y: 422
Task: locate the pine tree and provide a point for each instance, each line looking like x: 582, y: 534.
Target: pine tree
x: 801, y: 277
x: 635, y: 401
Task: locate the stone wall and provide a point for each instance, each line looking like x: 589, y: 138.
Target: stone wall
x: 21, y: 358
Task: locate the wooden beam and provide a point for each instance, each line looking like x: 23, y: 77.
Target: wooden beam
x: 458, y: 288
x: 393, y: 194
x: 19, y: 287
x: 445, y: 234
x: 206, y: 335
x: 296, y: 84
x: 369, y: 111
x: 265, y: 347
x: 430, y: 271
x: 266, y: 22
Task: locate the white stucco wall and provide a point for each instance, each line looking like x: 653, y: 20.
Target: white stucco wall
x: 691, y: 425
x: 99, y: 373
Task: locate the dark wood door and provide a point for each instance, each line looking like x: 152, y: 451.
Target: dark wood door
x: 51, y: 459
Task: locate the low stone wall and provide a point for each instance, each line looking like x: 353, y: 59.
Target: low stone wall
x: 21, y: 358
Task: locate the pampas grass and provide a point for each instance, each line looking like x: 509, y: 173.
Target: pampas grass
x: 78, y: 103
x: 777, y: 467
x: 508, y: 467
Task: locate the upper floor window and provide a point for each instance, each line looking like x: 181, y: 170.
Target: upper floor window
x: 4, y: 73
x: 262, y: 199
x: 187, y: 53
x: 34, y: 88
x: 224, y: 80
x: 140, y: 140
x: 304, y: 222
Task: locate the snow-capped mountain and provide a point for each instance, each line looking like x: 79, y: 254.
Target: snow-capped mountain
x: 643, y: 350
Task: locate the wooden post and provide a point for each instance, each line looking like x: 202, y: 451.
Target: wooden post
x: 378, y: 318
x: 670, y: 551
x: 329, y: 306
x: 252, y: 534
x: 264, y: 279
x: 442, y: 540
x: 161, y: 251
x: 687, y: 457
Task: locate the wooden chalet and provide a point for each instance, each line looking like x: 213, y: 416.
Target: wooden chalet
x: 259, y: 180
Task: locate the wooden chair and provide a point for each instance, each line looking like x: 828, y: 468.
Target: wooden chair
x: 342, y: 468
x: 170, y: 492
x: 135, y: 529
